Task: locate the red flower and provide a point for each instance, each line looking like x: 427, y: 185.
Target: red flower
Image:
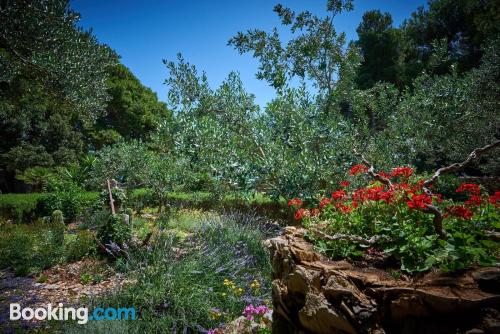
x: 460, y: 211
x: 302, y: 213
x: 324, y: 202
x: 343, y: 208
x: 354, y: 204
x: 314, y: 212
x: 386, y: 196
x: 339, y: 194
x: 495, y: 198
x: 474, y: 200
x: 345, y: 184
x: 295, y: 202
x: 358, y: 169
x: 402, y: 171
x: 384, y: 174
x: 470, y: 188
x: 419, y: 201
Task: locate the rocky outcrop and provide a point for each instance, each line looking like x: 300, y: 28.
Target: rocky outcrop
x: 312, y: 294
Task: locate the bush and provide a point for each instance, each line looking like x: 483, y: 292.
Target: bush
x: 21, y: 207
x: 79, y: 245
x: 400, y: 218
x: 115, y: 230
x: 29, y: 249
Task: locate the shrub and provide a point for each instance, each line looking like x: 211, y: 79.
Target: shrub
x: 115, y: 230
x: 398, y: 222
x: 30, y: 248
x: 21, y: 207
x: 69, y: 200
x: 79, y: 245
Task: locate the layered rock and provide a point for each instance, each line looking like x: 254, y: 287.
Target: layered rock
x: 312, y: 294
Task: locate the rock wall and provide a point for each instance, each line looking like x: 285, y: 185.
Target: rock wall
x: 314, y: 295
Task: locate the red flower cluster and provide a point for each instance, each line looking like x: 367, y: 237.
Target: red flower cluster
x: 295, y: 202
x: 358, y: 169
x: 402, y: 171
x: 324, y: 202
x: 460, y: 211
x: 302, y: 213
x: 345, y: 184
x: 339, y: 194
x: 474, y: 200
x: 495, y: 198
x: 384, y: 174
x: 343, y: 208
x: 472, y: 188
x: 364, y: 194
x: 419, y: 201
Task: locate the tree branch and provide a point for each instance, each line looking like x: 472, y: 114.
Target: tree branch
x: 349, y: 237
x: 459, y: 165
x: 438, y: 215
x: 371, y: 170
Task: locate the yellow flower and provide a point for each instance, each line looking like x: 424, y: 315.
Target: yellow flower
x: 255, y: 284
x: 238, y: 291
x: 224, y: 294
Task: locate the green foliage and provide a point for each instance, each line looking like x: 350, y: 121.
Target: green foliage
x: 382, y: 49
x: 315, y: 52
x: 67, y: 197
x: 53, y: 80
x: 125, y: 162
x: 41, y: 40
x: 79, y: 245
x: 21, y: 207
x: 28, y: 249
x: 115, y: 230
x: 58, y: 227
x: 133, y: 112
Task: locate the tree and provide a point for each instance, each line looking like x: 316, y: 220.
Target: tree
x: 214, y: 129
x: 315, y: 53
x: 382, y: 49
x: 464, y: 25
x: 40, y: 40
x: 133, y: 111
x: 52, y: 84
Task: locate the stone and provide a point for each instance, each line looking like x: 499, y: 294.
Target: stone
x: 312, y: 294
x: 318, y: 317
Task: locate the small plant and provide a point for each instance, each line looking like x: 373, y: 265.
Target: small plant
x: 86, y: 278
x: 79, y: 245
x: 115, y: 230
x: 57, y: 220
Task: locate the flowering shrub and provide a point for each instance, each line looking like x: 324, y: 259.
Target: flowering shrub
x: 396, y: 218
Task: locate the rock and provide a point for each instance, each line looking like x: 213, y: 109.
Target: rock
x: 312, y: 294
x: 475, y: 331
x: 319, y: 317
x: 488, y: 280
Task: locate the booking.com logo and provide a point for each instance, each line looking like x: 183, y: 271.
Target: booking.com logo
x: 61, y: 313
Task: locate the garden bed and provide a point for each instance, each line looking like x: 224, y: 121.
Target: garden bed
x: 314, y: 294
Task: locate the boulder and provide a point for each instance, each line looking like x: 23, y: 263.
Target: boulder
x: 312, y: 294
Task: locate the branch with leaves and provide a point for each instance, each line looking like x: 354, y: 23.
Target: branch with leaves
x: 348, y: 237
x: 438, y: 215
x: 371, y: 170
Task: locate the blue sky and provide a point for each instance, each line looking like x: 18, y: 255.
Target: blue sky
x: 145, y: 32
